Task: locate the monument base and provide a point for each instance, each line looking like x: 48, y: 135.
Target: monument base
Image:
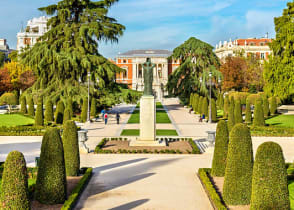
x: 142, y: 143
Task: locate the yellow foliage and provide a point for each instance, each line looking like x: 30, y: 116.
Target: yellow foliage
x: 15, y: 70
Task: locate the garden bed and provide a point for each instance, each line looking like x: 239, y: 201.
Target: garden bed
x: 159, y: 132
x: 15, y: 120
x: 161, y: 117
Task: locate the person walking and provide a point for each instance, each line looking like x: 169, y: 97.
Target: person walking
x: 105, y: 118
x: 117, y: 118
x: 103, y: 113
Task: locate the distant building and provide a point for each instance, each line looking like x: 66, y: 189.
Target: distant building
x: 258, y: 47
x: 132, y: 62
x: 3, y: 45
x: 29, y: 36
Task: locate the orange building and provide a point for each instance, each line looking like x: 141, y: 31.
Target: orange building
x: 133, y: 76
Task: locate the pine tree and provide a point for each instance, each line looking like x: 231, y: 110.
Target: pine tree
x: 84, y: 110
x: 238, y: 112
x: 31, y: 110
x: 226, y: 107
x: 23, y: 105
x: 49, y: 111
x: 213, y: 111
x: 265, y: 107
x: 231, y: 115
x: 93, y: 107
x: 248, y: 114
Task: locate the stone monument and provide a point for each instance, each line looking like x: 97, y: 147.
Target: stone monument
x: 147, y: 111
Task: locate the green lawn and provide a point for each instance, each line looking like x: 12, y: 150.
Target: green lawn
x: 286, y: 121
x: 15, y: 120
x: 161, y: 117
x: 136, y: 132
x: 158, y: 105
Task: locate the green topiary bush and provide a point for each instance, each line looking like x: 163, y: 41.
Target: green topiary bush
x: 238, y: 173
x: 14, y: 190
x: 238, y: 112
x: 39, y: 118
x: 51, y: 179
x: 49, y: 111
x: 269, y: 181
x: 31, y: 110
x: 67, y: 115
x: 59, y: 112
x: 265, y: 107
x: 23, y: 105
x: 205, y: 107
x: 258, y: 119
x: 213, y: 111
x: 71, y: 148
x: 221, y: 149
x: 273, y: 105
x: 84, y: 110
x: 200, y: 105
x: 93, y: 107
x: 69, y: 105
x: 196, y: 103
x: 226, y: 106
x: 248, y: 114
x: 231, y: 115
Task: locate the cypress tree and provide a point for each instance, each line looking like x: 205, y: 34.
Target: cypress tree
x: 265, y: 107
x: 238, y: 173
x: 258, y: 119
x: 221, y: 101
x: 71, y: 149
x: 200, y: 105
x: 23, y: 105
x: 14, y: 190
x: 49, y: 111
x: 248, y: 114
x: 196, y: 103
x: 221, y: 149
x: 226, y: 107
x: 231, y: 115
x: 205, y: 107
x: 84, y: 110
x: 269, y: 179
x: 31, y: 110
x: 93, y: 107
x: 66, y: 115
x: 39, y: 118
x: 273, y: 107
x: 238, y: 112
x: 213, y: 111
x: 59, y: 112
x: 69, y: 106
x: 51, y: 178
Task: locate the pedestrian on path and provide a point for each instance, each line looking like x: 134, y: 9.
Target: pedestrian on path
x: 103, y: 113
x: 105, y: 118
x: 117, y: 118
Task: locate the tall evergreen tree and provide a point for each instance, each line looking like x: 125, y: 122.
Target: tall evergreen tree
x: 231, y: 115
x: 265, y: 107
x: 238, y: 112
x: 31, y: 110
x: 248, y: 114
x: 49, y: 111
x: 226, y: 106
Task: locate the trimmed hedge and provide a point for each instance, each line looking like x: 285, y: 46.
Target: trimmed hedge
x: 213, y: 111
x: 39, y: 118
x: 14, y: 191
x: 231, y: 115
x: 200, y: 105
x: 51, y: 179
x: 73, y: 198
x: 196, y: 103
x: 71, y: 148
x: 84, y: 110
x: 59, y: 112
x: 70, y: 107
x: 93, y: 107
x: 22, y: 131
x: 23, y: 105
x: 67, y: 115
x: 205, y: 107
x: 238, y: 173
x: 272, y: 131
x: 258, y: 119
x: 265, y: 107
x: 238, y: 112
x: 273, y: 105
x: 195, y: 149
x: 221, y: 149
x: 49, y: 111
x: 269, y: 181
x: 248, y: 114
x: 226, y: 106
x: 203, y: 174
x: 31, y: 110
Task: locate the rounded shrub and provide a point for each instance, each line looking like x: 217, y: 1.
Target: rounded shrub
x: 238, y: 112
x: 14, y: 190
x: 273, y: 105
x: 84, y: 110
x: 69, y: 105
x: 49, y: 111
x: 8, y: 98
x: 265, y: 107
x: 248, y: 114
x: 258, y: 119
x: 221, y: 149
x: 59, y: 112
x: 269, y: 181
x: 213, y: 111
x: 23, y: 105
x: 51, y: 178
x: 31, y: 110
x: 39, y: 118
x: 205, y: 107
x: 71, y: 148
x: 226, y: 107
x: 238, y: 173
x: 67, y: 115
x: 231, y: 115
x: 93, y: 107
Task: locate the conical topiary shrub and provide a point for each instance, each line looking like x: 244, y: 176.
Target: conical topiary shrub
x: 213, y: 111
x: 23, y: 105
x: 49, y: 111
x: 69, y: 105
x: 71, y: 148
x: 221, y: 149
x: 269, y: 181
x: 39, y: 118
x: 238, y: 173
x: 84, y: 110
x: 200, y: 105
x: 59, y: 112
x: 196, y: 103
x: 226, y: 107
x: 205, y: 107
x: 67, y: 115
x: 31, y: 110
x: 265, y: 107
x: 238, y: 112
x: 14, y: 190
x: 231, y: 115
x: 51, y: 179
x: 93, y: 107
x: 258, y: 119
x: 273, y: 105
x: 248, y: 114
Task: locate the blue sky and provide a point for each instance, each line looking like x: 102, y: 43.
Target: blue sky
x: 163, y: 24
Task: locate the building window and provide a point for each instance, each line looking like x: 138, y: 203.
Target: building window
x: 140, y: 71
x: 124, y: 61
x: 252, y: 44
x: 125, y: 72
x: 261, y: 44
x: 262, y: 56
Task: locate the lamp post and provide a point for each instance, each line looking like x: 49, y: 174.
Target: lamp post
x: 88, y: 114
x: 210, y: 84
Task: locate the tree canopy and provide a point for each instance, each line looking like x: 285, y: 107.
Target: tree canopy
x: 197, y: 59
x: 278, y: 73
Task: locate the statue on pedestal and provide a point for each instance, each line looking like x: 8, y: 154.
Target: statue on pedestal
x: 148, y: 77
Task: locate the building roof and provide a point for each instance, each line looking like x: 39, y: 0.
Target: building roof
x: 146, y: 53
